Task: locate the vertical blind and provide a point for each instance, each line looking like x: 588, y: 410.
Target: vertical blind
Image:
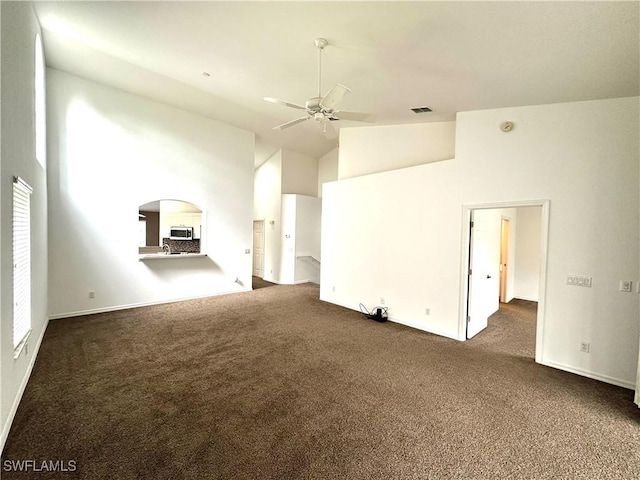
x: 21, y: 261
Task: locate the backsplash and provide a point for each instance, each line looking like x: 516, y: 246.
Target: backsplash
x: 189, y: 246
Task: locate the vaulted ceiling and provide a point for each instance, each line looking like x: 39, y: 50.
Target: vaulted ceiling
x: 450, y: 56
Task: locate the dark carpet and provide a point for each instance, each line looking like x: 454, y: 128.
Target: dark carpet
x: 257, y: 282
x: 274, y: 384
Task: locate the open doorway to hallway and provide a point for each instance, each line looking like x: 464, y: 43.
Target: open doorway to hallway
x: 511, y: 330
x: 505, y: 274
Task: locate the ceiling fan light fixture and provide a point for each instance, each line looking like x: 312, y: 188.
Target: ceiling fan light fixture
x: 322, y: 108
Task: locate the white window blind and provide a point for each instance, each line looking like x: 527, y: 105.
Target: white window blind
x: 21, y: 262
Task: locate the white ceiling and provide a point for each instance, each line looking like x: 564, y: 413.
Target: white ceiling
x: 451, y: 56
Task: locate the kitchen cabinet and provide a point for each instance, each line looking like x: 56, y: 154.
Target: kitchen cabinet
x: 182, y: 220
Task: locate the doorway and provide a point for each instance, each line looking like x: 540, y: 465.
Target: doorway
x: 491, y: 272
x: 258, y: 248
x: 505, y: 260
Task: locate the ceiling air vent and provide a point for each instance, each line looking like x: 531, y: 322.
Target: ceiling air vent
x: 421, y: 109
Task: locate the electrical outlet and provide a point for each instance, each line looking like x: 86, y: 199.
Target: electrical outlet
x: 333, y: 289
x: 427, y: 311
x: 626, y: 286
x: 381, y: 301
x: 92, y: 294
x: 585, y: 347
x: 247, y: 250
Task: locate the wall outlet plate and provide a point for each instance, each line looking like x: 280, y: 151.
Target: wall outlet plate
x: 626, y: 286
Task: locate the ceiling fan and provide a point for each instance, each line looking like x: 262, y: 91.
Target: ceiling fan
x: 322, y: 109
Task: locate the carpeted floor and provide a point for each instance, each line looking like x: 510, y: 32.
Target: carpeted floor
x: 274, y: 384
x: 257, y: 282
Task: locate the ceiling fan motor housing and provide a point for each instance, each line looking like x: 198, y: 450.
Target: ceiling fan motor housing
x: 313, y: 104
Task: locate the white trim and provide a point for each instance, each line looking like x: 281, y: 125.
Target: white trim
x: 464, y: 263
x: 20, y: 181
x: 18, y: 348
x: 418, y: 326
x: 116, y: 308
x: 522, y: 297
x: 40, y: 102
x: 23, y: 385
x: 407, y: 323
x: 595, y: 376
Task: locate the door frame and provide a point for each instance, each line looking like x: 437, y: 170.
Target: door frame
x: 464, y: 264
x: 504, y: 272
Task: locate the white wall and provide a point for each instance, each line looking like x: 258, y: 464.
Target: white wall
x: 327, y: 169
x: 299, y: 173
x: 111, y: 152
x: 365, y: 150
x: 267, y: 206
x: 17, y: 157
x: 398, y: 234
x: 527, y: 265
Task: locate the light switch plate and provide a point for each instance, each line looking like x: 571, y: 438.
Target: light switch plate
x: 626, y: 286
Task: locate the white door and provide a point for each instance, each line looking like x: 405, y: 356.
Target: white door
x: 258, y: 248
x: 484, y: 266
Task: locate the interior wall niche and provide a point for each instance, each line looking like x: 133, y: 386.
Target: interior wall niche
x: 171, y: 226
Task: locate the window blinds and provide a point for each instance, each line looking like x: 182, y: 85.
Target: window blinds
x: 21, y: 261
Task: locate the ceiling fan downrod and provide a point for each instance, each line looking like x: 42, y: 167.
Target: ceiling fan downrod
x: 320, y: 44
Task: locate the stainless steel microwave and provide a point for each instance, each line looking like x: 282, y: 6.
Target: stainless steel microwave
x: 181, y: 233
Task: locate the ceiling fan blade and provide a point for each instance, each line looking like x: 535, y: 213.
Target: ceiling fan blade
x: 334, y: 96
x: 356, y: 116
x: 282, y: 102
x: 291, y: 123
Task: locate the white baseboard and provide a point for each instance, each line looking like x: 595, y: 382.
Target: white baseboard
x: 406, y: 323
x: 418, y: 326
x: 595, y: 376
x: 23, y: 385
x: 522, y: 297
x: 115, y: 308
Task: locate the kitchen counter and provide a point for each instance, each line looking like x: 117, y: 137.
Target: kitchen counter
x: 169, y: 256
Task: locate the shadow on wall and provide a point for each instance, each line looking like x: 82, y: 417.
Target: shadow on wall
x: 168, y: 269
